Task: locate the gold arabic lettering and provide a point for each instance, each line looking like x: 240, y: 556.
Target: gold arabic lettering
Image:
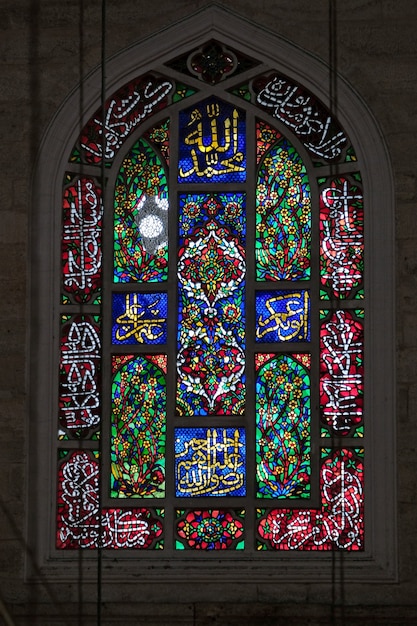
x: 289, y: 324
x: 209, y: 152
x: 215, y: 466
x: 133, y: 323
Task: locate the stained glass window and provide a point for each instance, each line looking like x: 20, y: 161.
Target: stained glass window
x: 212, y: 318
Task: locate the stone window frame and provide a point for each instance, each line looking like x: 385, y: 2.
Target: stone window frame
x: 378, y: 561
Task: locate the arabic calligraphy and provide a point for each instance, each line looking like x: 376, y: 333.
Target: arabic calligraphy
x: 124, y: 111
x: 339, y: 523
x: 79, y: 523
x: 306, y: 116
x: 81, y: 238
x: 282, y: 316
x: 80, y: 358
x: 342, y: 378
x: 342, y: 236
x: 215, y: 145
x: 210, y: 462
x: 142, y: 318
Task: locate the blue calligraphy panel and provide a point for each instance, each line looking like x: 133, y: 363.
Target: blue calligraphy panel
x: 212, y: 143
x: 210, y: 462
x: 282, y: 316
x: 139, y: 318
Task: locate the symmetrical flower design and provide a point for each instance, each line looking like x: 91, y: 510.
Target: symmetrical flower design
x: 210, y: 529
x: 211, y: 272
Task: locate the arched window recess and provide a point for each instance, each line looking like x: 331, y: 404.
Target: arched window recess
x: 222, y: 326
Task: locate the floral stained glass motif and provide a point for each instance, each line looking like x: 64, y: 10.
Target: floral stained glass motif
x: 138, y: 426
x: 211, y: 314
x: 341, y: 236
x: 338, y: 524
x: 139, y: 318
x: 141, y: 217
x: 79, y: 397
x: 282, y: 316
x: 81, y: 240
x: 158, y: 136
x: 212, y: 143
x: 283, y: 425
x: 80, y: 524
x: 210, y: 529
x: 266, y: 137
x: 283, y: 215
x: 341, y: 371
x: 210, y: 462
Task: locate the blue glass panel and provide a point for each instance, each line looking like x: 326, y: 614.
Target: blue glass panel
x: 212, y: 143
x: 139, y: 318
x: 210, y: 462
x: 282, y: 316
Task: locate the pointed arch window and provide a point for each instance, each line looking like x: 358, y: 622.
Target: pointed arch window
x: 213, y: 305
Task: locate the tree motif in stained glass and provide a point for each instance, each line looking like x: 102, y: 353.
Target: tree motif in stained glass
x: 212, y: 143
x: 210, y: 529
x: 341, y: 236
x: 138, y: 426
x: 79, y: 398
x: 282, y: 316
x: 210, y: 462
x: 139, y: 318
x: 283, y: 425
x: 141, y: 217
x: 283, y: 215
x: 338, y: 524
x: 81, y: 239
x: 341, y: 371
x: 78, y: 519
x: 211, y: 314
